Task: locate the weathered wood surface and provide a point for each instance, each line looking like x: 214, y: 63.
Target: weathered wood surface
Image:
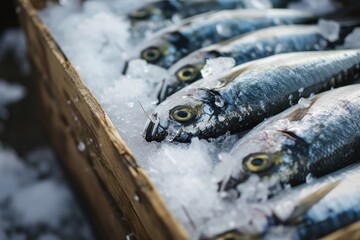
x: 117, y: 190
x: 350, y: 232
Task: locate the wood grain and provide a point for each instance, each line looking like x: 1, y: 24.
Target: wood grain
x: 117, y: 190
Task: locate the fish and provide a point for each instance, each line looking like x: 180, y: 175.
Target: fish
x: 336, y: 210
x: 170, y: 44
x: 308, y: 211
x: 245, y: 48
x: 313, y: 138
x: 168, y: 10
x: 239, y: 99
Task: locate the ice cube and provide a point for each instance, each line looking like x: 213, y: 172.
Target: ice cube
x: 304, y: 103
x: 353, y: 39
x: 217, y: 65
x: 329, y: 29
x: 10, y: 92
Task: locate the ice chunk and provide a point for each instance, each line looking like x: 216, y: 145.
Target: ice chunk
x: 35, y: 203
x: 26, y: 202
x: 13, y: 41
x: 353, y: 39
x: 329, y: 29
x: 81, y: 146
x: 140, y: 69
x: 304, y: 103
x: 217, y: 65
x: 284, y: 209
x: 13, y: 173
x: 10, y: 92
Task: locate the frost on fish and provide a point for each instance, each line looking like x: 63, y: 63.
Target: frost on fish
x: 216, y: 66
x: 297, y: 144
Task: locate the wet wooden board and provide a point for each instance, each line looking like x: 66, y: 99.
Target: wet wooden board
x: 117, y: 190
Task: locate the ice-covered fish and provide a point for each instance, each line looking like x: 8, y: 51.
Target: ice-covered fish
x: 174, y: 42
x: 168, y: 10
x: 336, y: 210
x: 245, y: 48
x: 245, y: 95
x: 316, y: 137
x: 309, y: 211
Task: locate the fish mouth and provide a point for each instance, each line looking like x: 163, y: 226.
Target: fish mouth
x: 231, y: 182
x: 165, y: 92
x: 153, y: 131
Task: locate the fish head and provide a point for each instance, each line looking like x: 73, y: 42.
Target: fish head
x: 185, y: 71
x: 271, y: 154
x: 157, y: 51
x: 186, y: 114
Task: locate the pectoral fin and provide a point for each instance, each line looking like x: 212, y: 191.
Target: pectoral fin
x: 305, y: 203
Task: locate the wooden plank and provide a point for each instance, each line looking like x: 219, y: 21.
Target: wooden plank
x: 104, y: 169
x: 350, y: 232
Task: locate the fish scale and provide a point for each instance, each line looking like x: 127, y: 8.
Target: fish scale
x: 317, y: 139
x: 175, y: 42
x: 308, y: 211
x: 252, y: 92
x: 337, y: 209
x: 244, y: 48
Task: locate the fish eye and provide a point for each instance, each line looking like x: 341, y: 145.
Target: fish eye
x: 151, y: 54
x: 183, y: 114
x: 187, y: 73
x: 257, y: 163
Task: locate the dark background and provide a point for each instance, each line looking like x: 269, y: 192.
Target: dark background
x: 23, y: 129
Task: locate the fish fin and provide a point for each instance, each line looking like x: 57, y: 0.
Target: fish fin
x: 293, y: 136
x: 299, y: 113
x: 305, y: 203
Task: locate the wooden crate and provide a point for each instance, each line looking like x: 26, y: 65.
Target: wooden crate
x: 115, y: 190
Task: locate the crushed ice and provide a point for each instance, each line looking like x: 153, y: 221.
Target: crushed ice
x: 215, y: 66
x: 352, y: 40
x: 34, y: 196
x: 304, y: 103
x: 329, y: 29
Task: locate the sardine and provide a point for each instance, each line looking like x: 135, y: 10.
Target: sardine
x: 174, y: 42
x: 336, y: 210
x: 245, y: 48
x: 309, y: 211
x: 168, y: 10
x: 243, y: 97
x: 313, y: 138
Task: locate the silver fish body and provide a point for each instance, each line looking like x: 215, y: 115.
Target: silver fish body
x: 339, y: 208
x: 317, y: 136
x: 163, y: 11
x: 245, y: 95
x: 174, y: 42
x: 308, y: 211
x: 245, y: 48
